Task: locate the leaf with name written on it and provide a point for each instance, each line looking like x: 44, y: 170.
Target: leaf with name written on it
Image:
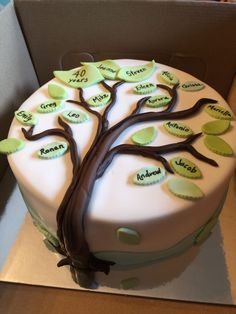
x: 169, y: 77
x: 218, y: 112
x: 218, y: 145
x: 85, y: 76
x: 149, y: 175
x: 184, y: 189
x: 158, y: 101
x: 75, y: 116
x: 137, y: 73
x: 26, y: 117
x: 108, y: 68
x: 11, y: 145
x: 145, y: 88
x: 216, y: 127
x: 144, y: 136
x: 192, y: 86
x: 57, y: 92
x: 53, y: 150
x: 99, y: 100
x: 185, y: 168
x: 178, y: 129
x: 50, y: 106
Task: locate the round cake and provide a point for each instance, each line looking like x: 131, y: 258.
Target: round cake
x: 122, y: 163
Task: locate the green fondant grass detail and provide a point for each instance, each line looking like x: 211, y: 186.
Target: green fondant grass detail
x: 100, y: 99
x: 137, y: 73
x: 169, y: 77
x: 108, y: 68
x: 218, y: 145
x: 149, y: 175
x: 11, y: 145
x: 178, y: 129
x: 206, y: 231
x: 50, y: 106
x: 26, y: 117
x: 85, y: 76
x: 192, y: 86
x: 75, y: 116
x: 145, y: 88
x: 129, y: 283
x: 53, y: 150
x: 57, y: 92
x: 216, y: 127
x: 218, y: 112
x: 158, y: 101
x: 184, y: 189
x: 144, y: 136
x: 185, y: 168
x: 128, y: 236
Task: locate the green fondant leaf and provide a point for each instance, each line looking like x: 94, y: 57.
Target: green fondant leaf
x: 57, y: 92
x: 85, y: 76
x: 149, y: 175
x: 53, y: 150
x: 216, y: 127
x: 144, y: 136
x: 50, y: 106
x: 158, y: 101
x: 11, y: 145
x: 99, y: 100
x: 128, y: 236
x: 178, y: 129
x: 169, y: 77
x: 129, y: 283
x: 192, y: 86
x: 145, y: 88
x: 184, y: 189
x: 218, y: 145
x: 218, y: 112
x: 108, y: 68
x: 185, y: 168
x: 136, y: 73
x: 26, y: 117
x: 75, y: 116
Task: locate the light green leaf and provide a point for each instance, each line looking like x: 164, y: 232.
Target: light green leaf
x: 216, y: 127
x: 100, y: 99
x: 137, y: 73
x: 50, y: 106
x: 178, y: 129
x: 218, y: 112
x: 192, y: 86
x: 144, y: 136
x: 184, y: 189
x: 169, y: 77
x: 185, y: 168
x: 145, y: 88
x: 149, y: 175
x: 218, y: 145
x: 108, y: 68
x: 75, y: 116
x: 158, y: 101
x: 128, y: 236
x: 26, y: 117
x: 11, y: 145
x: 53, y: 150
x: 57, y: 92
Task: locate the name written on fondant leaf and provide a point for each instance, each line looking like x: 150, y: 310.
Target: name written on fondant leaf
x: 149, y: 175
x: 53, y: 150
x: 26, y: 117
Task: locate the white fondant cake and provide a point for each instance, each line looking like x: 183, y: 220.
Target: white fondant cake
x: 126, y: 223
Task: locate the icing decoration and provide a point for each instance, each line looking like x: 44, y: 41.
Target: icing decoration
x: 206, y: 231
x: 26, y: 117
x: 184, y: 189
x: 185, y: 168
x: 11, y: 145
x: 216, y: 127
x: 218, y: 112
x: 136, y: 73
x: 50, y: 106
x: 192, y: 86
x: 145, y: 88
x: 169, y: 78
x: 108, y: 68
x: 144, y: 136
x: 57, y: 92
x: 158, y: 101
x: 99, y: 100
x: 129, y: 283
x: 128, y: 236
x: 149, y: 175
x: 218, y: 145
x: 75, y: 116
x: 53, y: 150
x: 178, y: 128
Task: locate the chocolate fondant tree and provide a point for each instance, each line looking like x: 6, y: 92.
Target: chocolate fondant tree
x: 72, y: 210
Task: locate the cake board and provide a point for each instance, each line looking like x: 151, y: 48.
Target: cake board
x: 203, y: 274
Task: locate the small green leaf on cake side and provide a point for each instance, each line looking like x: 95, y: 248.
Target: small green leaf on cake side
x: 53, y: 150
x: 185, y: 168
x: 57, y: 92
x: 83, y: 77
x: 11, y: 145
x: 100, y: 99
x: 75, y: 116
x: 137, y: 73
x: 158, y: 101
x: 192, y: 86
x: 218, y: 112
x: 216, y: 127
x: 144, y: 136
x: 108, y: 68
x: 149, y: 175
x: 178, y: 129
x: 218, y: 145
x: 145, y: 88
x: 169, y: 77
x: 184, y: 189
x: 26, y: 117
x: 128, y: 236
x: 50, y: 106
